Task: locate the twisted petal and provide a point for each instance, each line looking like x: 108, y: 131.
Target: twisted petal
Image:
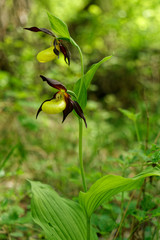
x: 59, y: 46
x: 54, y: 83
x: 64, y: 49
x: 79, y: 111
x: 36, y: 29
x: 56, y: 47
x: 69, y: 107
x: 40, y: 108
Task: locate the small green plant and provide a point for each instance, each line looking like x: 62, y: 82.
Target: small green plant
x: 60, y: 218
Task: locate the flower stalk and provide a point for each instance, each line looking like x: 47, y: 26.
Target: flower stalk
x: 81, y: 155
x: 137, y: 132
x: 81, y: 143
x: 81, y: 127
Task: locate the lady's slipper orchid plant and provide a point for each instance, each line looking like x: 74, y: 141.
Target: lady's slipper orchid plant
x: 60, y: 102
x: 52, y: 52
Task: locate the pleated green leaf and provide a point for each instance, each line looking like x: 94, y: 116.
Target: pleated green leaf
x: 108, y: 186
x: 90, y: 74
x: 58, y: 26
x: 61, y: 219
x: 81, y: 86
x: 81, y: 92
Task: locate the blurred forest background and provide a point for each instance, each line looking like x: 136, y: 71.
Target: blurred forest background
x: 46, y: 150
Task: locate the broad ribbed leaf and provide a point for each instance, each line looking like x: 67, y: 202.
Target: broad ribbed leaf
x: 81, y: 86
x: 108, y: 186
x: 58, y: 26
x: 61, y: 219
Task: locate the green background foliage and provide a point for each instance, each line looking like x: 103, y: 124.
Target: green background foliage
x: 44, y: 149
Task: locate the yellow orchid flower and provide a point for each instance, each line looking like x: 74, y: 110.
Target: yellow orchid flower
x: 60, y: 102
x: 52, y: 52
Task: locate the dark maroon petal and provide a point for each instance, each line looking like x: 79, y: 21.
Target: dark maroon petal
x: 39, y: 110
x: 35, y: 29
x: 66, y: 52
x: 54, y: 83
x: 79, y: 111
x: 68, y: 109
x: 55, y: 50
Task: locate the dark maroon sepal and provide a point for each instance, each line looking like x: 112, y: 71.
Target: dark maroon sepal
x: 35, y: 29
x: 54, y: 83
x: 79, y: 111
x: 68, y: 109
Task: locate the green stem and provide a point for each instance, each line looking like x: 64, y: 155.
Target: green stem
x: 80, y: 142
x: 137, y: 132
x: 82, y: 63
x: 81, y: 136
x: 82, y: 69
x: 80, y: 121
x: 81, y: 155
x: 81, y: 55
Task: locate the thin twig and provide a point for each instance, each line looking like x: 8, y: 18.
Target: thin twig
x: 147, y: 114
x: 117, y: 232
x: 156, y: 139
x: 142, y: 190
x: 138, y: 225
